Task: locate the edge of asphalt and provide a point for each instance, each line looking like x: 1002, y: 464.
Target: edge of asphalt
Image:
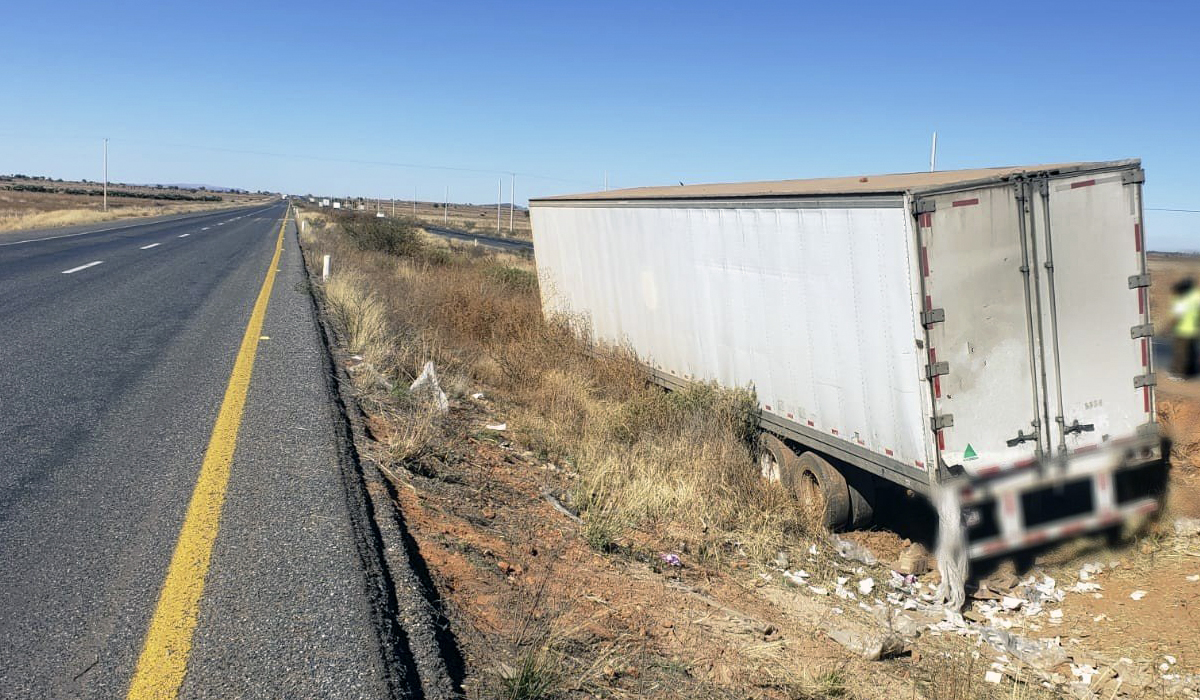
x: 408, y: 612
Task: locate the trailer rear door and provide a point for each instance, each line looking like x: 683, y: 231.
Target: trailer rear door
x: 981, y: 336
x: 1094, y: 306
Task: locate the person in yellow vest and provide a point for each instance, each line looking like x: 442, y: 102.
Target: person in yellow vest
x: 1185, y: 309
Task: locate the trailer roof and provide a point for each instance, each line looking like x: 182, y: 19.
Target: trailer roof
x: 857, y: 185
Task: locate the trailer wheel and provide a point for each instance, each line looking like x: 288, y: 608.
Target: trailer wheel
x: 861, y: 486
x: 820, y: 487
x: 772, y: 455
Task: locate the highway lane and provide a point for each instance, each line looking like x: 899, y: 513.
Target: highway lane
x: 496, y: 243
x: 117, y: 351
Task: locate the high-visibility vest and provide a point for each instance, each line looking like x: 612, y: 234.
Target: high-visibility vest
x: 1187, y: 314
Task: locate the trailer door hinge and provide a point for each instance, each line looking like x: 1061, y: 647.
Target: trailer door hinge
x: 936, y: 369
x: 1146, y: 330
x: 924, y: 205
x: 942, y: 421
x: 1142, y: 280
x: 1133, y: 177
x: 1144, y: 380
x: 932, y: 316
x: 1043, y: 187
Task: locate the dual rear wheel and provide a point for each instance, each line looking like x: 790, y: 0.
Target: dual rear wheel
x: 838, y: 502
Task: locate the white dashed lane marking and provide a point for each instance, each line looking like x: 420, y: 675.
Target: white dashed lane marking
x: 152, y: 245
x: 82, y: 267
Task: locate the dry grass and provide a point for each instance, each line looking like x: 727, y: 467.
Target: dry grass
x: 666, y: 469
x: 359, y: 315
x: 18, y: 221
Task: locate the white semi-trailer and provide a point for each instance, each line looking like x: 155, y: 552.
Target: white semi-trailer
x: 984, y: 329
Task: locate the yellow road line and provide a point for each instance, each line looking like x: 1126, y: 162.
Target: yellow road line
x: 163, y: 662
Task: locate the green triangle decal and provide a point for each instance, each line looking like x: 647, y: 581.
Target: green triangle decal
x: 970, y: 453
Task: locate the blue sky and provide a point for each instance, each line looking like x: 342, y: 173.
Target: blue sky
x: 337, y: 98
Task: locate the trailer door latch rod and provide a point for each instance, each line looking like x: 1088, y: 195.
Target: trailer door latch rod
x: 1022, y: 436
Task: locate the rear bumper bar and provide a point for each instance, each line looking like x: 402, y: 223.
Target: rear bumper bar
x: 1059, y: 498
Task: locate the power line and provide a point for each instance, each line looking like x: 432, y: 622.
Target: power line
x: 1181, y: 211
x: 348, y: 161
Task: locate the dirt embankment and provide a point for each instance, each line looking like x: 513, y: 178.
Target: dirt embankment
x: 593, y: 537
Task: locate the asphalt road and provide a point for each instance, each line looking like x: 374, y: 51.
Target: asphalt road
x: 118, y: 346
x: 496, y: 243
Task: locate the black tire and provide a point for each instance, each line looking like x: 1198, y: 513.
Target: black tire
x: 818, y: 486
x: 862, y: 497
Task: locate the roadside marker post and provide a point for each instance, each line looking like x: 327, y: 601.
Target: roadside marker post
x: 325, y: 269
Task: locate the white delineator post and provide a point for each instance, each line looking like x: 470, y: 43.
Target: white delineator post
x: 325, y: 269
x: 105, y: 174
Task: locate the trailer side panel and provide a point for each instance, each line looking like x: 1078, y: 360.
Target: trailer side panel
x: 813, y: 307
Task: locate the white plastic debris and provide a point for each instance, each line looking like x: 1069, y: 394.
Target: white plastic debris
x: 500, y: 427
x: 993, y: 677
x: 1011, y: 602
x: 1193, y: 578
x: 816, y: 590
x: 1138, y: 595
x: 1056, y: 617
x: 428, y: 380
x: 853, y: 551
x: 477, y: 395
x: 799, y: 578
x: 1187, y: 527
x: 1170, y: 659
x: 866, y: 585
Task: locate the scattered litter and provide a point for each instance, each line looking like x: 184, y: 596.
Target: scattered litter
x: 1170, y: 659
x: 799, y: 578
x: 1083, y: 587
x: 477, y: 395
x: 356, y: 358
x: 816, y: 590
x: 993, y: 677
x: 870, y: 646
x: 670, y: 559
x: 499, y: 427
x: 1193, y: 578
x: 1056, y: 617
x: 913, y: 561
x: 852, y: 551
x: 1138, y: 595
x: 428, y: 380
x: 866, y: 585
x: 1101, y: 617
x: 1187, y: 527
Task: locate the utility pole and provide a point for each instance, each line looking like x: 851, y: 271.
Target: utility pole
x: 414, y: 200
x: 446, y: 208
x: 512, y: 202
x: 105, y: 174
x: 393, y: 207
x: 933, y: 154
x: 499, y: 198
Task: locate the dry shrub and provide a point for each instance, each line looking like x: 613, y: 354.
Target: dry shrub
x: 1181, y: 421
x: 675, y: 467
